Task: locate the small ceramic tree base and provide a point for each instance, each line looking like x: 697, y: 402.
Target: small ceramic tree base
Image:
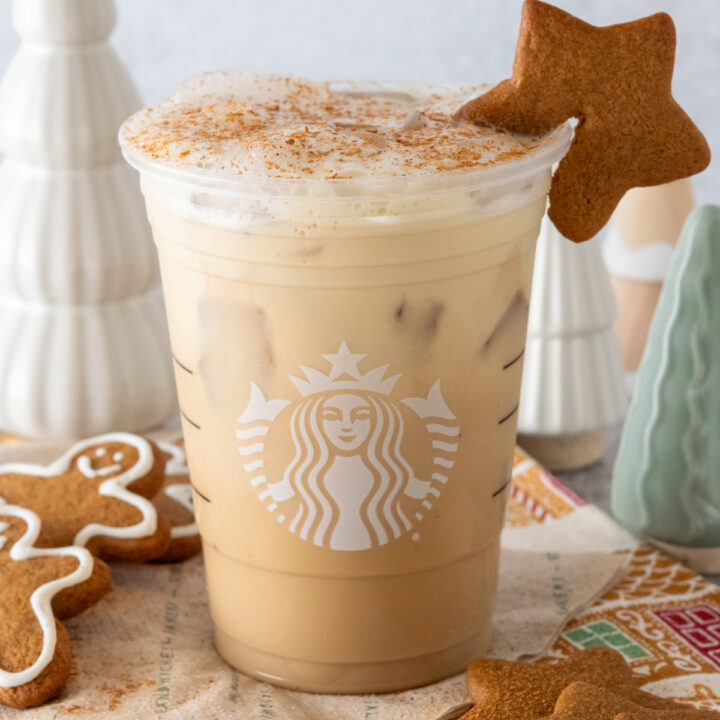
x: 565, y: 452
x: 78, y: 370
x: 704, y: 560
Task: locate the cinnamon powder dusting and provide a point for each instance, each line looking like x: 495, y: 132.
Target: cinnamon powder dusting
x: 235, y: 123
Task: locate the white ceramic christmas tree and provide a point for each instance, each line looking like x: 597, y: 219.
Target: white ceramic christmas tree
x: 573, y: 386
x: 83, y: 340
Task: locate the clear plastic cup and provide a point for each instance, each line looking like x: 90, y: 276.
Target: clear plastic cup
x: 348, y: 356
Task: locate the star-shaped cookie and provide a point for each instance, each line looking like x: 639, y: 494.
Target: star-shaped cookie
x: 616, y: 81
x: 515, y: 690
x: 38, y: 585
x: 95, y: 496
x: 584, y: 701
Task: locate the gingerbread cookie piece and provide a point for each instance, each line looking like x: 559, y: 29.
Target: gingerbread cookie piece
x: 95, y: 496
x: 38, y: 585
x: 584, y: 701
x: 616, y: 81
x: 514, y: 690
x: 174, y: 502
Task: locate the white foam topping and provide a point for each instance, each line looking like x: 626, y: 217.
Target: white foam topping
x: 233, y: 123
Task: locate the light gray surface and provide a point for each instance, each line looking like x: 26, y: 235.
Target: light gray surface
x: 164, y: 41
x: 593, y: 483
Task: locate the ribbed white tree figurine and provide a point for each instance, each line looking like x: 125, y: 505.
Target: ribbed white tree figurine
x: 83, y: 340
x: 573, y: 386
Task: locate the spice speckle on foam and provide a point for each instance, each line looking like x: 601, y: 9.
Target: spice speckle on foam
x: 234, y: 123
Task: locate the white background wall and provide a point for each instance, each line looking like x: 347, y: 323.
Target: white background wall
x: 164, y: 41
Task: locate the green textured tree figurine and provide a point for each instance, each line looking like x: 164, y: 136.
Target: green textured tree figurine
x: 666, y: 482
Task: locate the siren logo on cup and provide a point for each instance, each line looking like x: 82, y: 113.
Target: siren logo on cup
x: 349, y: 482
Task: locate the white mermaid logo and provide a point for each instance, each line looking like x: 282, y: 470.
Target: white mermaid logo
x: 349, y: 484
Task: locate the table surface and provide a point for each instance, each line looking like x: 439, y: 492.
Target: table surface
x: 593, y: 482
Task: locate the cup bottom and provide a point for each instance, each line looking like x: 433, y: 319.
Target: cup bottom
x: 352, y: 634
x: 350, y: 678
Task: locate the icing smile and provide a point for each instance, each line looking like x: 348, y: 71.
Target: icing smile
x: 84, y: 465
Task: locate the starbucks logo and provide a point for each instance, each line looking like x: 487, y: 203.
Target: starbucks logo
x: 336, y: 465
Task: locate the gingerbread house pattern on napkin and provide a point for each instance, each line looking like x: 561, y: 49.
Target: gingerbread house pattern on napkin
x: 663, y: 617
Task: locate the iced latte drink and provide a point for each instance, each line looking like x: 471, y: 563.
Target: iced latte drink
x: 347, y: 274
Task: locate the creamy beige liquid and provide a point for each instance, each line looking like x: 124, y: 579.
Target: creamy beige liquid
x: 348, y: 367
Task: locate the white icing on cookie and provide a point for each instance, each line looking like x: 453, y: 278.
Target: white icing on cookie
x: 177, y: 464
x: 117, y: 457
x: 179, y: 492
x: 114, y: 487
x: 84, y: 465
x: 41, y: 599
x: 182, y: 493
x: 100, y: 452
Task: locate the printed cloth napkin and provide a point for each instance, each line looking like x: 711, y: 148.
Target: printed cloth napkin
x: 570, y: 578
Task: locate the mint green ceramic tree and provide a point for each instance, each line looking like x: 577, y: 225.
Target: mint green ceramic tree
x: 666, y: 482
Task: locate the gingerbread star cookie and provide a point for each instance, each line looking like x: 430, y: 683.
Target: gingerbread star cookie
x: 616, y: 81
x: 95, y: 496
x: 514, y: 690
x: 174, y: 502
x: 37, y: 586
x: 584, y: 701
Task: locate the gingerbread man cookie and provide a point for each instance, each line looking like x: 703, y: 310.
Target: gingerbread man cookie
x: 616, y: 81
x: 95, y: 496
x: 38, y: 585
x: 515, y: 690
x: 174, y: 501
x: 584, y: 701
